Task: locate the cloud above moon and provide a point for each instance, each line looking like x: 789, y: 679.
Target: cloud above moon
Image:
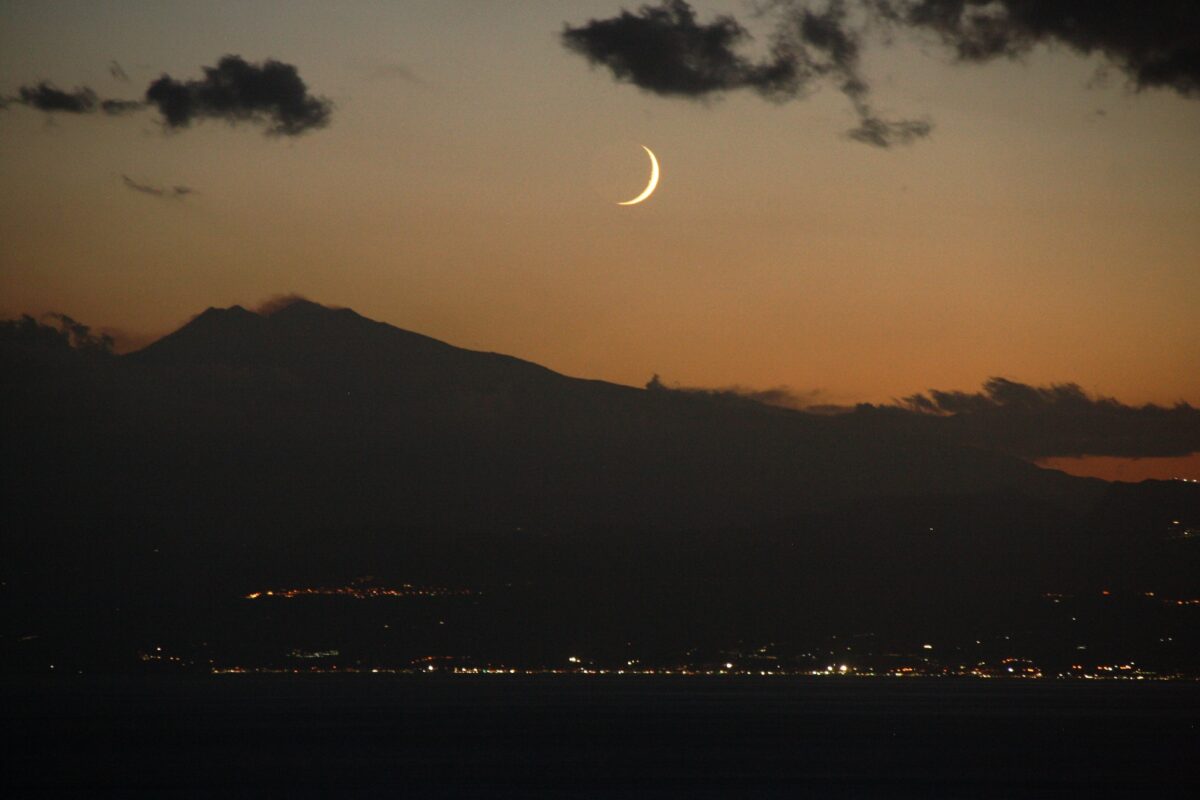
x: 665, y: 50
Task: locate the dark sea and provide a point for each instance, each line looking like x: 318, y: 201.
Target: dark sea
x: 533, y: 736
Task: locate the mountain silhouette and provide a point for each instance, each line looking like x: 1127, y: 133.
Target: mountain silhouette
x: 311, y: 443
x: 334, y: 346
x: 366, y: 404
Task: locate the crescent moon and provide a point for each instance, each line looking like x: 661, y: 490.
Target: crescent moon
x: 649, y: 190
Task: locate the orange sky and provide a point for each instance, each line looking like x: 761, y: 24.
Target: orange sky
x: 466, y: 189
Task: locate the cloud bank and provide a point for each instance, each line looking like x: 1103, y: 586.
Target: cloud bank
x: 1032, y: 422
x: 1157, y: 44
x: 665, y: 50
x: 1058, y: 420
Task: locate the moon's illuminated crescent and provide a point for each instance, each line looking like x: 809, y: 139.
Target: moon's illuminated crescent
x: 649, y: 190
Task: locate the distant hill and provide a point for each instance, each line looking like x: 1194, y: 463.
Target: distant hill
x: 246, y: 448
x: 389, y: 422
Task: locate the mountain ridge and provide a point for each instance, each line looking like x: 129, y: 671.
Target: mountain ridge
x: 314, y: 445
x: 334, y: 339
x: 304, y: 367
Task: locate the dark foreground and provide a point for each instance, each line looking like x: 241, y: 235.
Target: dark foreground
x: 579, y: 737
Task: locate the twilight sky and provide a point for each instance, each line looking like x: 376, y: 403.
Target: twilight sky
x: 1046, y: 229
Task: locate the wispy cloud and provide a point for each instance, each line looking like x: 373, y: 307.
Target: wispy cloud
x: 165, y: 192
x: 117, y: 108
x: 779, y: 396
x: 394, y: 71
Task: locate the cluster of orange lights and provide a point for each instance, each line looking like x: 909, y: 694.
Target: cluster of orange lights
x: 1171, y: 601
x: 359, y: 592
x: 1102, y: 672
x: 159, y: 656
x: 1186, y: 601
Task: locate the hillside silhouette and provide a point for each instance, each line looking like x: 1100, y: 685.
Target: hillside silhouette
x: 362, y: 418
x: 150, y: 490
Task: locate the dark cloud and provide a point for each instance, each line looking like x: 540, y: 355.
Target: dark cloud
x: 116, y: 108
x: 1058, y: 420
x: 117, y: 71
x: 166, y: 192
x: 1032, y: 422
x: 663, y: 49
x: 1157, y: 44
x: 270, y: 93
x: 46, y: 97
